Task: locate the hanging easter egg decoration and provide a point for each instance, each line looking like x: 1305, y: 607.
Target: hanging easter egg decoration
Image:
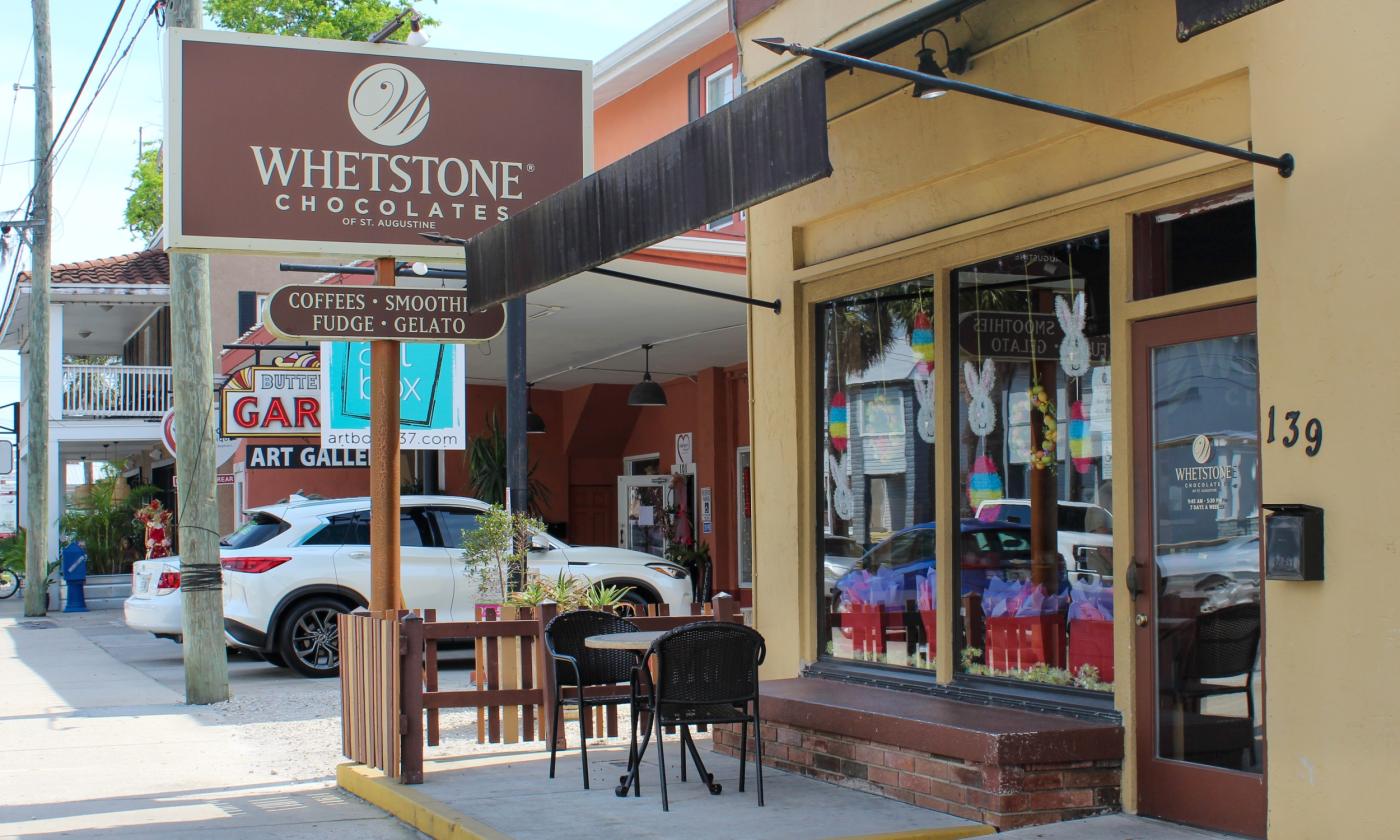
x: 1042, y: 454
x: 1079, y: 438
x: 836, y: 425
x: 922, y: 341
x: 984, y: 482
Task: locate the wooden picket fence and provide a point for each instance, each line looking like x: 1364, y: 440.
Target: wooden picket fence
x: 390, y: 682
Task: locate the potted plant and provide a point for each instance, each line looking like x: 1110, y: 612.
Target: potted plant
x: 106, y: 525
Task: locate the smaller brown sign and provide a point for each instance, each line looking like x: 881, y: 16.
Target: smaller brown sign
x: 361, y: 313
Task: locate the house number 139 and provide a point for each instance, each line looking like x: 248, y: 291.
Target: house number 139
x: 1288, y: 424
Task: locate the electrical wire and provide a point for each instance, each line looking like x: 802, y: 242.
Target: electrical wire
x: 66, y: 140
x: 14, y: 105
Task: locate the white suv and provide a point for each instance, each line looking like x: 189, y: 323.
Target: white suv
x: 293, y: 567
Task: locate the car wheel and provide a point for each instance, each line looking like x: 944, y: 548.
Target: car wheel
x: 273, y: 658
x: 633, y: 603
x: 310, y: 639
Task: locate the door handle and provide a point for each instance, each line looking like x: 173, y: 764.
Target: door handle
x: 1131, y: 579
x: 359, y: 555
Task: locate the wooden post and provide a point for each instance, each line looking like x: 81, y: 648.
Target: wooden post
x: 547, y: 611
x: 384, y: 462
x: 727, y: 609
x: 192, y: 358
x: 411, y: 698
x: 39, y: 473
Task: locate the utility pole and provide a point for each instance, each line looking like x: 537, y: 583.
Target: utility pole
x: 39, y: 474
x: 517, y: 469
x: 192, y: 346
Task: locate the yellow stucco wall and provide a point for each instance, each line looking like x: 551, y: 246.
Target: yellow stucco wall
x: 920, y: 187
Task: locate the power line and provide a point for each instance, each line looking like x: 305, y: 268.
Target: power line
x: 14, y: 104
x: 111, y: 24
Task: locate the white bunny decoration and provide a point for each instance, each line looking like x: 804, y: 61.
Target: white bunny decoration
x: 1074, y: 347
x: 844, y: 504
x: 981, y: 411
x: 923, y: 393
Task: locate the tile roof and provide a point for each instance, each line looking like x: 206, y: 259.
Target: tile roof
x: 149, y: 268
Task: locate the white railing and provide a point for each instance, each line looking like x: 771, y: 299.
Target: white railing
x: 115, y: 390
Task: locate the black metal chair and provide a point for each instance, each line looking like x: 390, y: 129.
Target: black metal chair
x: 706, y: 673
x: 1226, y: 644
x: 580, y: 667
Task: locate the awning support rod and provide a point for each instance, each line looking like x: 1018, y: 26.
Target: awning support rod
x: 1283, y: 163
x: 775, y: 305
x: 458, y: 274
x: 402, y: 270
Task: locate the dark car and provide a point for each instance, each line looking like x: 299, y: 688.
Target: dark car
x: 988, y: 550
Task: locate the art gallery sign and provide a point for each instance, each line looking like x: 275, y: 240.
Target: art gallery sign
x: 307, y: 146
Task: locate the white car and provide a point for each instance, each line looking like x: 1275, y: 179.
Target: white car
x: 293, y: 567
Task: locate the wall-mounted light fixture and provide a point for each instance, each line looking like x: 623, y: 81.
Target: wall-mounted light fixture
x: 416, y: 36
x: 647, y: 392
x: 534, y: 424
x: 956, y: 64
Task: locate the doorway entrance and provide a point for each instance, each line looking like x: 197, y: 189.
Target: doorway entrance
x: 641, y: 511
x: 1196, y: 575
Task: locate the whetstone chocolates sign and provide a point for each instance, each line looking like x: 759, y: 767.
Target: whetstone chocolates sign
x: 359, y: 313
x: 305, y: 146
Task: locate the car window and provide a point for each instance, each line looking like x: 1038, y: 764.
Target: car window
x: 453, y: 523
x: 414, y: 530
x: 353, y: 529
x: 891, y: 553
x: 256, y: 531
x: 842, y: 547
x: 342, y: 529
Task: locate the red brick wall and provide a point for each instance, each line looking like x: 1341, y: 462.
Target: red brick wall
x: 1005, y: 796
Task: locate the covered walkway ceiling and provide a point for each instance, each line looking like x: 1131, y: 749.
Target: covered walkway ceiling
x: 589, y: 317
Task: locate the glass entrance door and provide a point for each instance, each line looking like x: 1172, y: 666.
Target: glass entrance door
x: 1196, y: 576
x: 641, y: 512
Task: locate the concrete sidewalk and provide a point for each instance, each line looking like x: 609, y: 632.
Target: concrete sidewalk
x: 90, y: 744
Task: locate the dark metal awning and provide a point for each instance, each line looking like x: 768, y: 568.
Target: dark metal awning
x: 770, y: 140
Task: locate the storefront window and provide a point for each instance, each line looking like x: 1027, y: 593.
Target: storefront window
x: 1035, y: 466
x: 876, y: 428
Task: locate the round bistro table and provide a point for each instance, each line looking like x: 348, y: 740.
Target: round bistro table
x: 638, y: 643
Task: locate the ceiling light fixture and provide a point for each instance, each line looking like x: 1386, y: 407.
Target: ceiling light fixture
x: 647, y: 392
x: 957, y: 65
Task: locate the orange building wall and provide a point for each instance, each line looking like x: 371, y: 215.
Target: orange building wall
x: 654, y: 108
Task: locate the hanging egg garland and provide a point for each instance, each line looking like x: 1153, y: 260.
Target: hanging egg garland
x: 836, y: 424
x: 921, y: 340
x: 1079, y: 438
x: 1042, y: 454
x: 984, y: 481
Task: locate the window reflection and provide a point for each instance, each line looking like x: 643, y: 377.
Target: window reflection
x: 1035, y: 456
x: 877, y: 433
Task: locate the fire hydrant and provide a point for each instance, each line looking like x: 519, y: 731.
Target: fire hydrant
x: 74, y: 564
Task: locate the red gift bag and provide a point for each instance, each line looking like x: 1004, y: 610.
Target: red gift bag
x: 1091, y: 643
x: 1015, y: 643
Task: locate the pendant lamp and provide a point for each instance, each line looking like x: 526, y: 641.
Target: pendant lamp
x: 647, y: 392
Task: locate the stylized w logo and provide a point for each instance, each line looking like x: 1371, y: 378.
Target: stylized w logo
x: 388, y: 104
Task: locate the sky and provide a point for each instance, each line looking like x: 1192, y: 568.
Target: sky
x: 91, y: 180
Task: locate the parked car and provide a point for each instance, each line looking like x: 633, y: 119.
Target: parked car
x: 294, y: 566
x: 988, y: 549
x: 1084, y: 532
x: 839, y: 557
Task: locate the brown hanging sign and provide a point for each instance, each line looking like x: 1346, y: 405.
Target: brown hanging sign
x: 363, y: 313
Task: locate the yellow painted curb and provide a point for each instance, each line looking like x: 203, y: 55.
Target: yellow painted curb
x: 955, y: 832
x: 418, y: 810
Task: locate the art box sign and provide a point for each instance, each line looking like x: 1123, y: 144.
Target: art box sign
x: 306, y: 146
x: 432, y: 395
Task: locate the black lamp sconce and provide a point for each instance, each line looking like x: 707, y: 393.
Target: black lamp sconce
x: 956, y: 64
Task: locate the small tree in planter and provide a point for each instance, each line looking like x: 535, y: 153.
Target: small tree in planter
x: 497, y: 552
x: 106, y: 524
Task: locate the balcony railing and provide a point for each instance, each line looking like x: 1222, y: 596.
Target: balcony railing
x: 115, y: 391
